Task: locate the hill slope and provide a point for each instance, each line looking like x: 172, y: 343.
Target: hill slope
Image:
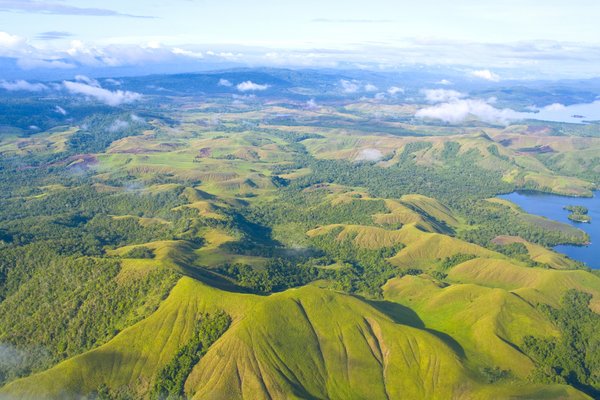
x: 303, y: 343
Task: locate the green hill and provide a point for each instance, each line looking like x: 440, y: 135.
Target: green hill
x: 303, y: 343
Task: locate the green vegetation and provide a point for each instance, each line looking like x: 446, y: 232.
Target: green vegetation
x: 579, y: 214
x: 250, y: 249
x: 140, y: 252
x: 575, y: 359
x: 55, y: 307
x: 171, y: 379
x: 454, y: 260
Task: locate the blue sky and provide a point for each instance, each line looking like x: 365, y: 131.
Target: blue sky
x: 552, y: 36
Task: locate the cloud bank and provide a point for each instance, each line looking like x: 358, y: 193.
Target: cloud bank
x: 517, y: 60
x: 92, y: 89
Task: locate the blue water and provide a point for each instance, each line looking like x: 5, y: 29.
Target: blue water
x: 576, y: 113
x: 551, y: 206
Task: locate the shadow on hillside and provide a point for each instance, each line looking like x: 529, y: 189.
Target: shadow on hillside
x: 213, y: 279
x: 403, y: 315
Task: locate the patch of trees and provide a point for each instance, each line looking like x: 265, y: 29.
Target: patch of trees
x: 574, y: 358
x: 171, y: 378
x: 312, y: 209
x: 454, y: 260
x: 277, y: 275
x: 488, y: 221
x: 99, y: 131
x: 363, y: 270
x: 578, y: 213
x: 55, y: 307
x: 141, y: 252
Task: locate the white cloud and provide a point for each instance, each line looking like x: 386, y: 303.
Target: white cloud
x: 85, y: 79
x: 22, y: 85
x: 459, y: 110
x: 486, y: 74
x: 108, y: 97
x: 312, y: 105
x: 34, y: 63
x: 369, y: 155
x: 349, y: 87
x: 113, y: 82
x: 555, y: 107
x: 10, y: 41
x: 394, y: 90
x: 137, y: 118
x: 225, y: 82
x: 251, y: 86
x: 60, y: 110
x: 444, y: 82
x: 187, y: 53
x: 441, y: 95
x: 118, y: 125
x: 370, y: 88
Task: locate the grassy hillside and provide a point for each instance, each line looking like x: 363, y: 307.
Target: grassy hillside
x: 305, y: 343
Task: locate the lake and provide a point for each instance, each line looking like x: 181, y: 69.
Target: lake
x: 576, y: 113
x: 551, y: 206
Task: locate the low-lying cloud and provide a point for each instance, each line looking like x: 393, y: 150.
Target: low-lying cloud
x: 60, y: 110
x: 441, y: 95
x: 22, y: 85
x: 92, y: 89
x: 394, y: 90
x: 369, y: 155
x: 225, y: 83
x: 312, y: 105
x: 486, y: 74
x: 349, y: 86
x: 118, y: 125
x: 460, y: 110
x: 251, y: 86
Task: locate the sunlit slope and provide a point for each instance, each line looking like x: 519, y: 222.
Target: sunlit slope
x: 313, y: 343
x: 135, y: 355
x: 303, y: 343
x: 537, y: 285
x: 539, y: 253
x: 489, y: 324
x: 517, y: 165
x: 424, y: 212
x: 421, y: 248
x: 432, y: 207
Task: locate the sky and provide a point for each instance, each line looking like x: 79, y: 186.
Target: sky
x: 509, y: 38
